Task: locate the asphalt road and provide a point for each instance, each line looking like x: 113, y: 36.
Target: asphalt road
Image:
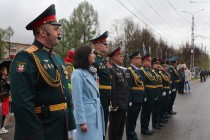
x: 190, y: 123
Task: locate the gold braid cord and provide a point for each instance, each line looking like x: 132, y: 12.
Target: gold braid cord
x: 158, y: 77
x: 175, y: 70
x: 165, y: 78
x: 136, y: 79
x: 48, y: 79
x: 150, y: 77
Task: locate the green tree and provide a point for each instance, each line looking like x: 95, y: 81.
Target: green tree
x: 9, y: 32
x: 2, y: 32
x: 80, y: 28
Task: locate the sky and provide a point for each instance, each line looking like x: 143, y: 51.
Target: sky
x: 164, y: 17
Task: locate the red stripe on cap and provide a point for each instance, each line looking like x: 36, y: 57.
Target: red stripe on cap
x: 44, y: 21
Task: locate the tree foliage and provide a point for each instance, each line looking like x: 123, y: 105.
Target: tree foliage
x: 81, y: 26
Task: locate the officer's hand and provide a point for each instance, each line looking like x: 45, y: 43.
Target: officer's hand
x: 145, y: 99
x: 164, y: 94
x: 84, y: 127
x: 169, y: 92
x: 130, y: 104
x: 72, y: 133
x: 174, y: 90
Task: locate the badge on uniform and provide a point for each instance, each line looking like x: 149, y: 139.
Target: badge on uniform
x: 21, y: 66
x: 127, y: 75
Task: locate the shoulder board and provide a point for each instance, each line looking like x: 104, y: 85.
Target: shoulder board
x: 32, y: 49
x: 55, y: 53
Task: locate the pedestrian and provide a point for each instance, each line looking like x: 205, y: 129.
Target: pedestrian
x: 156, y: 122
x: 187, y: 80
x: 181, y: 77
x: 4, y: 91
x: 86, y: 97
x: 42, y: 103
x: 174, y: 85
x: 136, y: 94
x: 118, y: 97
x: 149, y: 95
x: 101, y: 48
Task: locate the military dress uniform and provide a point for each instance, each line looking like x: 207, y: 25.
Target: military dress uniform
x: 42, y: 103
x: 118, y: 100
x: 149, y: 96
x: 157, y: 103
x: 104, y: 77
x: 174, y: 85
x: 136, y: 96
x: 165, y: 93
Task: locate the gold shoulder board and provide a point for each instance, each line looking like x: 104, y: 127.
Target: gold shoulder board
x: 32, y: 49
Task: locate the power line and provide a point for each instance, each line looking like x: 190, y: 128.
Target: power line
x: 159, y: 32
x: 177, y: 11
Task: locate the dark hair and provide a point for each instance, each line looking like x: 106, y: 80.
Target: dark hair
x: 81, y: 57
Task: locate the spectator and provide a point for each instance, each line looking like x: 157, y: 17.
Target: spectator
x: 5, y: 87
x: 86, y: 99
x: 187, y: 80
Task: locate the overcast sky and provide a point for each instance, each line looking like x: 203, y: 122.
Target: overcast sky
x: 164, y: 17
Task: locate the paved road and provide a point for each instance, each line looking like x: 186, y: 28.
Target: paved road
x: 190, y: 123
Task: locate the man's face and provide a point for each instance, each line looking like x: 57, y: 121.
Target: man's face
x: 101, y: 48
x: 147, y: 62
x: 118, y: 58
x: 53, y: 32
x: 136, y: 61
x: 163, y: 67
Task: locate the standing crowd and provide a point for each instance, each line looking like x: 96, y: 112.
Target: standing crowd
x: 85, y: 96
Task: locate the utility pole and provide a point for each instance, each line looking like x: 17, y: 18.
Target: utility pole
x: 192, y: 59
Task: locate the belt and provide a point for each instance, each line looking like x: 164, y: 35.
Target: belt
x: 159, y: 86
x: 54, y: 107
x: 150, y: 86
x: 137, y: 88
x: 166, y: 87
x: 104, y: 87
x: 176, y: 81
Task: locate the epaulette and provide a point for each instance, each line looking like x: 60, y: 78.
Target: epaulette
x: 32, y: 49
x: 55, y: 53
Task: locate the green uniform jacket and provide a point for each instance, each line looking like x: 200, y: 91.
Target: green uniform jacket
x: 104, y: 79
x: 165, y: 81
x: 135, y: 96
x: 149, y: 80
x: 29, y: 90
x: 174, y: 77
x: 159, y: 82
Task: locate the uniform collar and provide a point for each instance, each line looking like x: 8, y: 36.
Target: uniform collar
x: 41, y: 46
x: 135, y: 67
x: 97, y: 54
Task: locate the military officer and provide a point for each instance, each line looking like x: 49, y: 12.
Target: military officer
x: 101, y: 48
x: 166, y: 90
x: 157, y: 102
x: 174, y: 85
x: 136, y: 94
x: 42, y: 103
x: 118, y: 97
x: 149, y: 95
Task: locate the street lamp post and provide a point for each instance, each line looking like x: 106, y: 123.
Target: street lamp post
x: 192, y: 62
